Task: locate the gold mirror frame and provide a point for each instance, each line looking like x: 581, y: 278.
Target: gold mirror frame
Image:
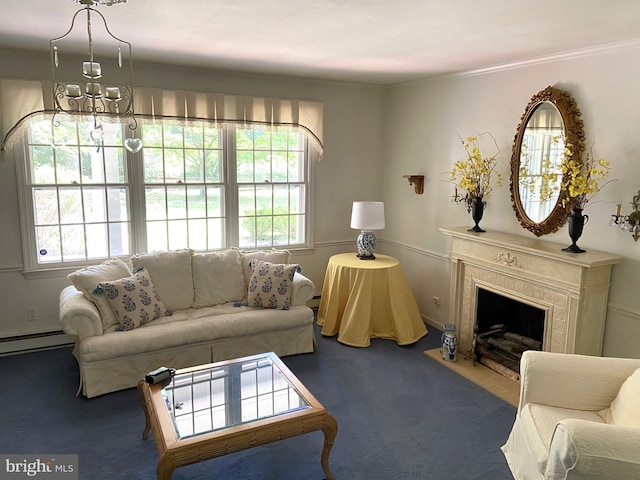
x: 573, y: 135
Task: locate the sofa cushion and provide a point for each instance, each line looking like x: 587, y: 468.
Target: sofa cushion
x: 625, y: 408
x: 272, y: 256
x: 134, y: 300
x: 194, y: 326
x: 87, y: 280
x: 172, y: 275
x: 217, y: 278
x: 270, y: 285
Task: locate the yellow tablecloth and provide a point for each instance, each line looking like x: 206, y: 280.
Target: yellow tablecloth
x: 364, y: 299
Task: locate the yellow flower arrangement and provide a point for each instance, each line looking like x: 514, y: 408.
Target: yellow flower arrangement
x: 473, y: 173
x: 582, y: 180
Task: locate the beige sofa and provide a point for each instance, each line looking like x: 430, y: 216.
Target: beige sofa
x: 578, y: 418
x: 191, y: 309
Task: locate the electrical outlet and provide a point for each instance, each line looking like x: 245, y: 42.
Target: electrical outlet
x: 436, y: 300
x: 32, y: 315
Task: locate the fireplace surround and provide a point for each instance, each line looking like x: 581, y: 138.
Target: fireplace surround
x: 571, y: 289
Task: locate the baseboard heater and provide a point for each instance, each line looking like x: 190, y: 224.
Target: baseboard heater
x: 34, y: 342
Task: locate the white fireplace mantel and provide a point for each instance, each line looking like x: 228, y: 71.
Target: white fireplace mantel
x: 571, y: 288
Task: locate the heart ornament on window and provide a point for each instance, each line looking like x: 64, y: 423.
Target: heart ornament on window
x: 134, y: 145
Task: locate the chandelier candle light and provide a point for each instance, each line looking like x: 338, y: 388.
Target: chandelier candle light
x: 367, y: 216
x: 107, y: 91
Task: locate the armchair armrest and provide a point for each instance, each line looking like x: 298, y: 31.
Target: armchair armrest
x: 578, y: 382
x: 78, y: 315
x: 581, y: 449
x: 303, y: 290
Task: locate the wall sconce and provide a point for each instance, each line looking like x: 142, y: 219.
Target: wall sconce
x: 629, y: 222
x: 417, y: 181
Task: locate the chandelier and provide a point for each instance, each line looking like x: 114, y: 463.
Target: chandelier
x: 103, y: 84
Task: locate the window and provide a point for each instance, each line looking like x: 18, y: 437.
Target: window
x: 194, y: 185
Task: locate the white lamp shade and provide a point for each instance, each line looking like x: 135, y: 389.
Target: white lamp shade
x: 367, y: 215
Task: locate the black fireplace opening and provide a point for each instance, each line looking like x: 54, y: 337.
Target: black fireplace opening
x: 505, y: 328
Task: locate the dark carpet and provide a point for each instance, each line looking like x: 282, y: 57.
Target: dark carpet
x: 400, y: 414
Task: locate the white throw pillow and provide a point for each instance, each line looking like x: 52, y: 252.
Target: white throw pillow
x: 270, y: 285
x: 171, y: 274
x: 134, y: 300
x: 625, y: 408
x: 271, y: 256
x: 87, y: 280
x: 217, y: 278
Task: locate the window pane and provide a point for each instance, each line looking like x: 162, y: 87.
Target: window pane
x: 71, y: 205
x: 67, y: 166
x: 92, y: 166
x: 246, y: 200
x: 155, y: 203
x: 119, y: 241
x: 193, y: 137
x: 43, y: 166
x: 116, y: 169
x: 196, y: 201
x: 118, y: 204
x: 45, y: 206
x: 214, y: 201
x: 174, y: 166
x: 177, y: 230
x: 245, y: 166
x: 194, y: 165
x: 198, y: 234
x: 153, y: 164
x: 173, y: 136
x: 157, y: 236
x: 95, y: 205
x: 48, y: 244
x: 73, y: 242
x: 176, y: 202
x: 97, y: 241
x: 215, y: 233
x: 213, y: 166
x: 152, y: 135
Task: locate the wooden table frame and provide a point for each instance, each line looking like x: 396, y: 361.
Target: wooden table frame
x: 174, y: 452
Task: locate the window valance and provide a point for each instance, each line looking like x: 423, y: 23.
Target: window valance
x: 20, y: 99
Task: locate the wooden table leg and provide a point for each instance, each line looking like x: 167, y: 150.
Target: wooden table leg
x: 143, y: 398
x: 330, y: 430
x: 166, y: 466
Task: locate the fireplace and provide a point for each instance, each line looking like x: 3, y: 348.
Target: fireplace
x: 504, y: 329
x: 571, y: 290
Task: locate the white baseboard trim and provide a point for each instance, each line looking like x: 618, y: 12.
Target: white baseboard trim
x: 31, y: 343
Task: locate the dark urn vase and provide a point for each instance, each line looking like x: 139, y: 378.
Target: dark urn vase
x: 477, y: 209
x: 576, y: 222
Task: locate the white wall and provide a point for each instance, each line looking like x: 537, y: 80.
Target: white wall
x: 374, y: 136
x: 353, y: 137
x: 424, y: 118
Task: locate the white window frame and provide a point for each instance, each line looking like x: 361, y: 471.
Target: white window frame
x: 136, y: 187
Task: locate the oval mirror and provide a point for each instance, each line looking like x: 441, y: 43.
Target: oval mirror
x: 550, y: 123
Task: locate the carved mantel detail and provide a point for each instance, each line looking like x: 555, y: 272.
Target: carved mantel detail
x: 506, y: 258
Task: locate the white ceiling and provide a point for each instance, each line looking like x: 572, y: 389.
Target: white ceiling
x: 372, y: 41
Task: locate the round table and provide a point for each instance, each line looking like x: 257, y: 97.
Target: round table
x: 364, y: 299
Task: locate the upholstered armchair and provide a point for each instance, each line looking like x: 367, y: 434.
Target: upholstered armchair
x: 578, y: 418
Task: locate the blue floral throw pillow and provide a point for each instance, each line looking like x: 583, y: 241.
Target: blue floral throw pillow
x: 270, y: 285
x: 134, y: 300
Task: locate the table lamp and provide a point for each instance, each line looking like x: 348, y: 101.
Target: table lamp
x: 367, y: 216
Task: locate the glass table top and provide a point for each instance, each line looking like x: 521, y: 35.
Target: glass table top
x: 232, y: 394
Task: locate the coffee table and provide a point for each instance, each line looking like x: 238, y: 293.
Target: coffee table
x: 211, y: 410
